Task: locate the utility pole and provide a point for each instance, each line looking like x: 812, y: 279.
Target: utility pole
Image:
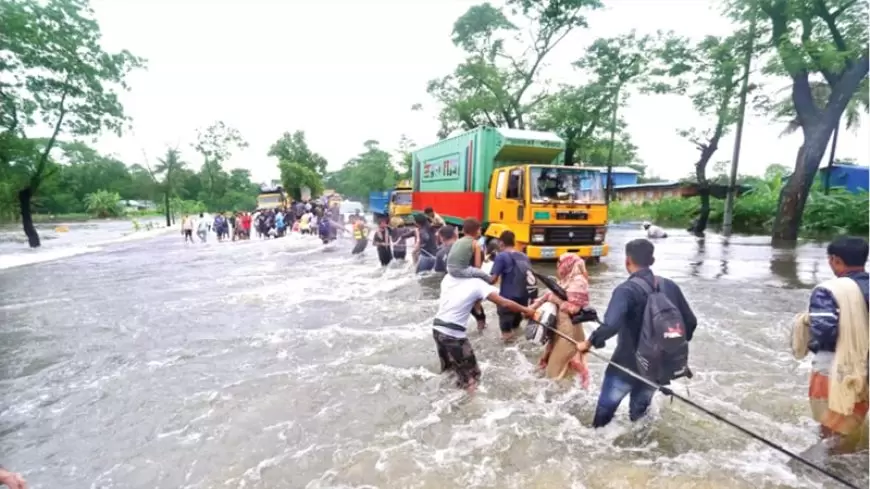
x: 608, y: 185
x: 728, y: 217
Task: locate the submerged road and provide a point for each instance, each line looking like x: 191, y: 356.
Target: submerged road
x: 279, y: 365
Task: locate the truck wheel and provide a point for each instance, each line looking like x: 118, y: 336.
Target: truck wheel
x: 595, y: 260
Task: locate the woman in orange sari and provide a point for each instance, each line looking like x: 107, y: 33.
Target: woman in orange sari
x: 561, y: 359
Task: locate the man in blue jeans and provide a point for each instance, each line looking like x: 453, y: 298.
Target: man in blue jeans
x: 624, y: 317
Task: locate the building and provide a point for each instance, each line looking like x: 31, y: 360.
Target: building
x: 621, y: 175
x: 638, y: 193
x: 853, y: 178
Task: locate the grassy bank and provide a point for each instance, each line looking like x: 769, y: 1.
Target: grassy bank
x: 824, y: 215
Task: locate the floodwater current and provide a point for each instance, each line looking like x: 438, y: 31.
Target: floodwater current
x: 277, y: 364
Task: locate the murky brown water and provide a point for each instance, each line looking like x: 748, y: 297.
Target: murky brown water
x: 279, y: 365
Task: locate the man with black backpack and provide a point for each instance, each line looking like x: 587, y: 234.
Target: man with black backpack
x: 654, y: 324
x: 517, y: 282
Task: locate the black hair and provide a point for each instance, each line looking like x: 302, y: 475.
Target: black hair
x: 470, y: 226
x: 447, y: 232
x: 420, y: 219
x: 641, y: 252
x: 508, y: 238
x: 428, y: 210
x: 851, y: 249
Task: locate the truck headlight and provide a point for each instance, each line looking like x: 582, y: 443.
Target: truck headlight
x: 537, y: 235
x: 599, y: 234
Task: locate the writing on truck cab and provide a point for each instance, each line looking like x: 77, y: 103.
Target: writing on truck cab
x: 512, y: 179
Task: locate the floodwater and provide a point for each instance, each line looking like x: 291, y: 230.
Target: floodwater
x: 152, y: 364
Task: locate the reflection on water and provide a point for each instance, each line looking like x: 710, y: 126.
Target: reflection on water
x: 275, y: 364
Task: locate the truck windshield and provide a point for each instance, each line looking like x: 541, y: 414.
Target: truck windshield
x: 269, y: 199
x: 566, y: 184
x: 402, y: 198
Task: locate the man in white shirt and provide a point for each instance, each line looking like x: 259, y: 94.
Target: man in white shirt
x: 458, y: 296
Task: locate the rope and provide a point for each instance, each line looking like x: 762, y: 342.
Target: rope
x: 668, y: 392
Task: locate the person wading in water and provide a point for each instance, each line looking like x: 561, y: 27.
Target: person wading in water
x: 835, y: 331
x: 360, y: 234
x: 458, y: 297
x: 511, y: 267
x: 381, y: 240
x: 426, y: 246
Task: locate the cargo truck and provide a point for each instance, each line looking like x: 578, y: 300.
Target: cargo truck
x: 512, y: 179
x: 393, y: 203
x: 272, y: 198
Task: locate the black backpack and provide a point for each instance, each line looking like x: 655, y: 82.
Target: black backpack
x: 523, y: 277
x: 662, y: 349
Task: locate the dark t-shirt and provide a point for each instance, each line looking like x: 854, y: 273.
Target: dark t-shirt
x: 441, y: 258
x: 503, y: 266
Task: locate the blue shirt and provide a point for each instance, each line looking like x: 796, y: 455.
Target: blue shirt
x: 825, y: 314
x: 503, y: 267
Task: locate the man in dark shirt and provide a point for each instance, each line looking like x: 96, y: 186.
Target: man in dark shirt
x: 504, y: 268
x: 448, y: 237
x: 624, y: 318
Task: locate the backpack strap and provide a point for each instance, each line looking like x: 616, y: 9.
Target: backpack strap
x: 649, y: 289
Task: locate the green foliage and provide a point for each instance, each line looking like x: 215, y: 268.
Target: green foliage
x: 838, y: 213
x: 371, y: 171
x: 491, y: 87
x: 295, y: 176
x: 294, y: 148
x: 216, y: 144
x: 103, y: 203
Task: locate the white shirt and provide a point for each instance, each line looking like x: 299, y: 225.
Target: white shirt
x: 458, y: 296
x: 655, y: 232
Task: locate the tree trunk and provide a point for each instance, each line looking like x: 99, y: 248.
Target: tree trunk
x: 793, y: 196
x: 831, y: 158
x: 703, y: 219
x: 569, y: 155
x: 24, y: 197
x: 166, y: 206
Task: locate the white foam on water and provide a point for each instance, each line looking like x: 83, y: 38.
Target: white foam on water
x: 29, y: 257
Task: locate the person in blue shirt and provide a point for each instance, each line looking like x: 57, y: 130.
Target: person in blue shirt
x: 447, y: 235
x: 513, y: 284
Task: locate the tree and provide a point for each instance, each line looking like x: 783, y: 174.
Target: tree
x: 821, y: 91
x: 714, y: 74
x: 168, y: 167
x: 491, y: 87
x: 216, y: 144
x: 825, y: 38
x: 371, y: 171
x: 406, y: 149
x: 624, y: 61
x: 578, y: 114
x: 295, y: 176
x: 294, y: 148
x: 54, y: 71
x: 103, y: 203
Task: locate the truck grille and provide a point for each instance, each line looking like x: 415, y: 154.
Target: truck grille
x: 569, y: 235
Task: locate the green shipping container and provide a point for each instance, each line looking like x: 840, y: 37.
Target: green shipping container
x: 452, y: 175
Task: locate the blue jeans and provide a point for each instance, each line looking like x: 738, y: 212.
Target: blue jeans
x: 425, y: 263
x: 614, y: 388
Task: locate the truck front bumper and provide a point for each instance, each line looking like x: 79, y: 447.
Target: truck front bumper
x: 535, y: 252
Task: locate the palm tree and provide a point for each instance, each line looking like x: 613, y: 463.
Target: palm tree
x: 784, y: 109
x: 167, y: 166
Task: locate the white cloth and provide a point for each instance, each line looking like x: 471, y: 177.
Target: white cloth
x: 458, y: 296
x: 656, y: 232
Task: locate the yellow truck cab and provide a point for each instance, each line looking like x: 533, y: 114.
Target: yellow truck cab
x: 513, y: 179
x: 400, y: 201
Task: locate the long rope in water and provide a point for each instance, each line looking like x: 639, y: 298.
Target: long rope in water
x: 668, y: 392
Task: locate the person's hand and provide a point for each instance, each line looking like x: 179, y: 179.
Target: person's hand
x: 584, y: 346
x: 530, y: 313
x: 12, y: 480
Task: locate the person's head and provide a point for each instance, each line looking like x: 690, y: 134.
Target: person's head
x: 847, y: 254
x: 383, y: 224
x: 639, y: 255
x: 571, y: 265
x: 200, y: 215
x: 646, y: 225
x: 429, y: 211
x: 447, y: 234
x: 508, y: 239
x: 420, y: 220
x: 471, y: 227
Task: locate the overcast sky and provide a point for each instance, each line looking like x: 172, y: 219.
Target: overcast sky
x: 348, y: 71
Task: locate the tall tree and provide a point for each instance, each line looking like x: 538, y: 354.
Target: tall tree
x: 370, y: 171
x: 492, y: 86
x: 216, y: 145
x: 825, y: 38
x: 578, y: 114
x: 294, y: 148
x: 53, y: 71
x: 784, y: 109
x: 712, y: 74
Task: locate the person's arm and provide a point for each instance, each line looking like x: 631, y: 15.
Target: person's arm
x: 475, y: 250
x: 689, y: 318
x: 417, y: 241
x: 12, y: 480
x: 614, y: 318
x: 541, y: 300
x: 498, y: 269
x: 824, y: 320
x: 510, y: 305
